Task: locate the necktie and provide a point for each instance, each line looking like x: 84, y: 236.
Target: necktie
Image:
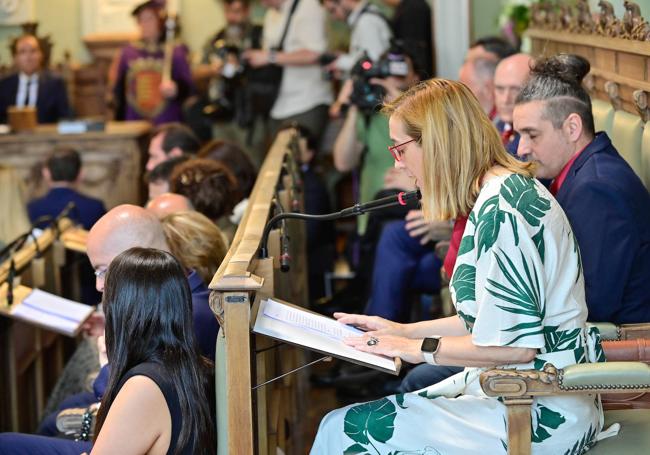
x: 28, y: 90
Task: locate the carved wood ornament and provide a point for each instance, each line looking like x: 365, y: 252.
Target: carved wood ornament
x: 579, y: 19
x: 614, y: 95
x: 640, y: 98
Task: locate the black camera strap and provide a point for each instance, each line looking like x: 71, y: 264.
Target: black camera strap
x: 294, y: 5
x: 370, y: 9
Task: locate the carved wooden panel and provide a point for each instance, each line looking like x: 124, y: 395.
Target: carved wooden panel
x: 617, y: 48
x: 112, y: 160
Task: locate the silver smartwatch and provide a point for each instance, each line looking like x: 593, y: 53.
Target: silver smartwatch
x: 430, y: 347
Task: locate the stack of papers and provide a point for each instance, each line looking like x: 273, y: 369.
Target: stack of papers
x: 298, y: 326
x: 52, y: 312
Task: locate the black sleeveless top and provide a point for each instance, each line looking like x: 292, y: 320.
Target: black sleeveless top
x: 157, y: 374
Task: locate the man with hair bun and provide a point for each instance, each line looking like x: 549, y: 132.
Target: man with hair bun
x: 605, y: 201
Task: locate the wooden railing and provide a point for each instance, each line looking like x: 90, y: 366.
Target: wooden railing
x: 259, y: 420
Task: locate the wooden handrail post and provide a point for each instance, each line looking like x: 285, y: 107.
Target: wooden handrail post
x: 519, y: 428
x: 237, y: 313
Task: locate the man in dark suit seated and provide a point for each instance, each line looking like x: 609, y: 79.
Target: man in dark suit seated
x: 33, y: 86
x: 605, y: 201
x: 62, y: 172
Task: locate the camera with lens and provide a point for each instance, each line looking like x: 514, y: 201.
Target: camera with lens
x: 222, y: 90
x: 367, y: 96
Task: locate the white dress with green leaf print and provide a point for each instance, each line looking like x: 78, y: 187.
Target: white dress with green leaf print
x: 517, y: 282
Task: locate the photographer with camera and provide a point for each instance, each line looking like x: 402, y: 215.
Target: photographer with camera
x: 370, y: 34
x: 221, y: 110
x: 294, y: 38
x: 362, y: 141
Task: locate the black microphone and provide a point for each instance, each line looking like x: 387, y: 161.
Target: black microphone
x: 285, y: 256
x: 401, y: 198
x: 10, y: 282
x: 70, y: 206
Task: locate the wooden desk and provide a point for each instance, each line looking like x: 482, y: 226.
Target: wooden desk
x: 112, y: 159
x: 32, y: 358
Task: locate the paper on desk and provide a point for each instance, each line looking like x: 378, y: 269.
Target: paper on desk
x: 51, y: 311
x: 323, y: 334
x: 311, y: 321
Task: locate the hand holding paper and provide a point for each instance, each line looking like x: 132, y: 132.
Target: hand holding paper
x: 301, y: 327
x: 375, y: 324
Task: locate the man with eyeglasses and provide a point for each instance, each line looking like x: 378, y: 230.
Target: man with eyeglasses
x: 128, y: 226
x: 122, y: 228
x: 510, y: 76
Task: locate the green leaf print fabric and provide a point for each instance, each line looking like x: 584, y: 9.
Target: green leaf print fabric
x: 517, y: 282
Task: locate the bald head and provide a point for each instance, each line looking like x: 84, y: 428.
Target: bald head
x: 478, y: 76
x: 168, y: 203
x: 511, y: 75
x: 124, y: 227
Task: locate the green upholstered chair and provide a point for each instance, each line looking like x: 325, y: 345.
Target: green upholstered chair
x: 633, y: 437
x: 603, y: 115
x: 645, y: 156
x: 614, y: 332
x: 517, y: 389
x: 627, y: 130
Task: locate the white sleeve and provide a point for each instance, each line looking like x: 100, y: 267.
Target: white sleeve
x: 370, y: 35
x: 308, y: 28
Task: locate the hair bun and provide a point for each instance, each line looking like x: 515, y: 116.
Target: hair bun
x: 569, y: 68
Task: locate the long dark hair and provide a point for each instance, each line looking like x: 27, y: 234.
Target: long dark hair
x: 148, y: 309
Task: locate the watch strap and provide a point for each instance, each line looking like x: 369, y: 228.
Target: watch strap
x: 429, y: 358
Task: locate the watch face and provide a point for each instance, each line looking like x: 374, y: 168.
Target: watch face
x: 430, y: 344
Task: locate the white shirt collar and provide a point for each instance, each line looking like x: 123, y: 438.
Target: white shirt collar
x: 25, y: 77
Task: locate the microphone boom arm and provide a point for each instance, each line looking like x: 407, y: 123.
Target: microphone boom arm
x: 402, y: 198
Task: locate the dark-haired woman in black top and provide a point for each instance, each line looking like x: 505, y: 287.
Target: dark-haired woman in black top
x: 156, y: 401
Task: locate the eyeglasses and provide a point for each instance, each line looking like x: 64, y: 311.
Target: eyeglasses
x: 396, y: 151
x: 100, y: 273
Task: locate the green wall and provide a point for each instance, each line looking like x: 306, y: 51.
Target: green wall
x: 61, y: 19
x: 485, y: 17
x: 201, y: 18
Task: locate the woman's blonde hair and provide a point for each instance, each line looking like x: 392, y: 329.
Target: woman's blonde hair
x: 196, y: 242
x: 13, y: 217
x: 459, y: 142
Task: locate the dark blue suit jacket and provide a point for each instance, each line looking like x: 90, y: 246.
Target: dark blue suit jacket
x: 609, y: 211
x: 86, y: 212
x: 513, y: 143
x: 51, y: 103
x: 206, y: 326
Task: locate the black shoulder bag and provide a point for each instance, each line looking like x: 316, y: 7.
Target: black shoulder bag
x: 264, y: 82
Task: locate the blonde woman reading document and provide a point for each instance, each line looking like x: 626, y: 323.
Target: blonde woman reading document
x: 517, y: 286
